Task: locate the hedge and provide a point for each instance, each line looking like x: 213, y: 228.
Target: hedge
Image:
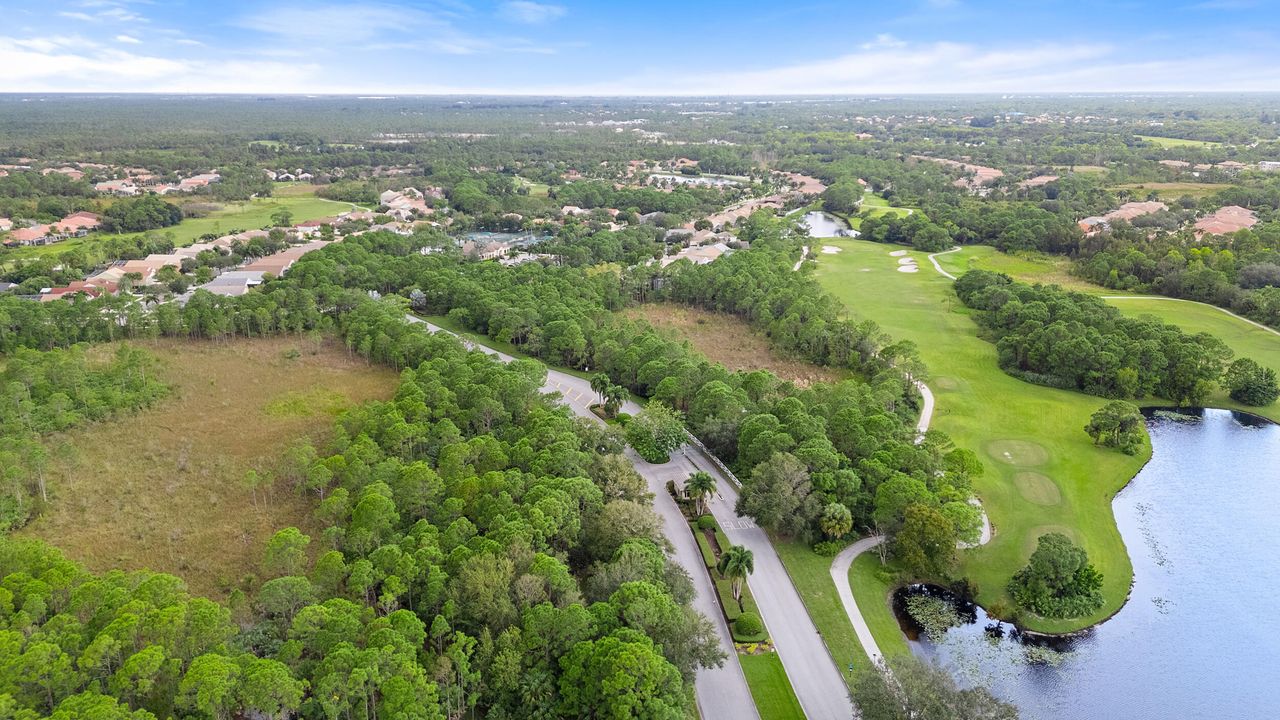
x: 708, y: 557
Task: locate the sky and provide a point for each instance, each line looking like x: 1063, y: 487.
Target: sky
x: 658, y: 47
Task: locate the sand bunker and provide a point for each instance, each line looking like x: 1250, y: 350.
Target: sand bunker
x: 906, y: 261
x: 908, y: 268
x: 830, y: 249
x: 897, y: 253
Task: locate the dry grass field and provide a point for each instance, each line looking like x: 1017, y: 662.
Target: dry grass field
x: 731, y: 342
x: 163, y: 489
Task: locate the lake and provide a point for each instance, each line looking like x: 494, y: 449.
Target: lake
x: 826, y: 225
x: 1199, y: 635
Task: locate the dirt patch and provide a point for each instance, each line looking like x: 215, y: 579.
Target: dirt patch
x: 1018, y: 452
x: 731, y: 342
x: 1037, y: 488
x: 163, y: 489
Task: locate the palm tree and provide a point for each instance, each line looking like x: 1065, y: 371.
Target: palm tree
x: 600, y: 383
x: 736, y: 564
x: 614, y: 396
x: 699, y: 487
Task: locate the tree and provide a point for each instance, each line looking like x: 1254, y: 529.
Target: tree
x: 599, y: 383
x: 282, y: 218
x: 836, y: 520
x: 736, y: 564
x: 655, y: 432
x: 779, y: 496
x: 699, y: 487
x: 270, y: 688
x: 917, y: 690
x: 926, y: 542
x: 1119, y: 425
x: 614, y: 397
x: 1058, y: 580
x: 209, y: 686
x: 1250, y: 383
x: 618, y: 677
x: 287, y: 552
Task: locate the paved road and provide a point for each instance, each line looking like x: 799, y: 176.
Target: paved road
x: 813, y: 674
x: 933, y: 259
x: 722, y: 692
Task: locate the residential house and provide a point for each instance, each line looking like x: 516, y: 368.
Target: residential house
x: 1226, y: 220
x: 76, y: 225
x: 117, y: 187
x: 92, y: 288
x: 5, y: 224
x: 35, y: 235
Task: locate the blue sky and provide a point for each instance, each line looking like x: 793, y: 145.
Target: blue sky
x: 660, y: 47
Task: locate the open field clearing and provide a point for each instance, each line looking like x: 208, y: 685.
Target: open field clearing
x: 731, y: 342
x: 163, y: 489
x: 1015, y: 427
x: 1170, y: 191
x: 1168, y: 142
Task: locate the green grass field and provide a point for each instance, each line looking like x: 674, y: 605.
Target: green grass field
x: 1015, y: 427
x: 1167, y: 142
x: 536, y: 189
x: 770, y: 688
x: 1244, y: 338
x: 1170, y: 191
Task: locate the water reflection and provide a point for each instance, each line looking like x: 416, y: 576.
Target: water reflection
x: 826, y: 225
x: 1197, y: 637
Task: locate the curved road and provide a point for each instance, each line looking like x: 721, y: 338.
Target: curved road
x: 722, y: 692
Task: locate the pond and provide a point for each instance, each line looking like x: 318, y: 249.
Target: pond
x: 1198, y: 637
x: 826, y: 225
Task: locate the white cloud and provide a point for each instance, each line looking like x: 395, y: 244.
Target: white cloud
x: 530, y: 13
x: 78, y: 16
x: 945, y: 67
x: 128, y: 40
x: 336, y: 24
x: 75, y: 65
x: 883, y: 40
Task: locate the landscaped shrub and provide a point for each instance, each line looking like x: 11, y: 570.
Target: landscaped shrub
x: 706, y: 522
x: 748, y: 628
x: 829, y: 548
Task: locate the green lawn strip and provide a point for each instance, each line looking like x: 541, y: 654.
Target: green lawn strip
x: 770, y: 688
x: 982, y: 408
x: 872, y: 594
x: 1168, y: 142
x: 811, y: 574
